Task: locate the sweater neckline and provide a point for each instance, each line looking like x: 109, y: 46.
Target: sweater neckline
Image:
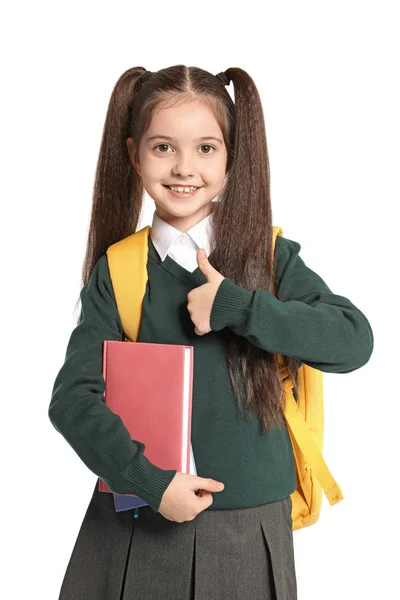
x: 191, y: 278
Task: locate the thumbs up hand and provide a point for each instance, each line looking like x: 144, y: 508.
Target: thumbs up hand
x: 200, y: 299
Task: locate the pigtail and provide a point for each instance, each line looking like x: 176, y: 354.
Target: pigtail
x: 118, y: 191
x: 243, y: 223
x: 114, y: 214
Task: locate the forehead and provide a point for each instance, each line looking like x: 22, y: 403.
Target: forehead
x: 185, y: 120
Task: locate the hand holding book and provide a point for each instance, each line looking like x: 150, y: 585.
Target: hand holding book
x: 180, y: 504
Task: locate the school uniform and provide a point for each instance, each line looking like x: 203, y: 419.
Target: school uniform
x: 242, y: 545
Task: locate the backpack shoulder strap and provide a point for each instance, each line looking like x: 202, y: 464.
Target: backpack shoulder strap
x: 275, y: 232
x: 129, y: 255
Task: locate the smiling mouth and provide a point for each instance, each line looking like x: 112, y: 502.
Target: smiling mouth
x: 197, y: 187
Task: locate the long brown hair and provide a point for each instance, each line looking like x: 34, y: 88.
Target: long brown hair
x: 242, y: 218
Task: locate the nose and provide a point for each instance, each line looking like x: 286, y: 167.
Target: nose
x: 183, y: 166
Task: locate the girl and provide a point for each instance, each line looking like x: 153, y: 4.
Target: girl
x: 164, y: 131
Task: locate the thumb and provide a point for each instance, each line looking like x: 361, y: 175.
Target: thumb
x: 202, y: 260
x: 211, y: 485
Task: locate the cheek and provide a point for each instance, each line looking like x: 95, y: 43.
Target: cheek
x: 213, y: 174
x: 152, y: 170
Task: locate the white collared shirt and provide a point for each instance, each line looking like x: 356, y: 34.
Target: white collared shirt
x: 181, y: 247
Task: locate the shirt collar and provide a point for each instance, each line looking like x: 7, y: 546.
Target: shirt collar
x: 164, y: 235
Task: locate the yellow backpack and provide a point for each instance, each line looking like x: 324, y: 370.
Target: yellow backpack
x: 127, y: 260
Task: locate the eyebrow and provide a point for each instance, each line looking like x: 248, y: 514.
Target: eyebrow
x: 171, y: 139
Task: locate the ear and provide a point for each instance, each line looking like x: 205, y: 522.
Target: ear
x: 132, y: 155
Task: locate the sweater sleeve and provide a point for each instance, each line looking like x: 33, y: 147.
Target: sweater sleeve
x: 309, y: 322
x: 78, y: 410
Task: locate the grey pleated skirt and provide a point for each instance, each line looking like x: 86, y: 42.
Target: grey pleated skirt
x: 231, y: 554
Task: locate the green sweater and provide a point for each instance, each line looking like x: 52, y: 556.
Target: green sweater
x: 309, y: 322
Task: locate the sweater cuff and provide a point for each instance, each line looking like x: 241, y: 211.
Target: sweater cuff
x: 230, y: 306
x: 149, y: 482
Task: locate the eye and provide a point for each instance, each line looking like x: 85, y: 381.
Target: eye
x: 207, y: 146
x: 158, y: 146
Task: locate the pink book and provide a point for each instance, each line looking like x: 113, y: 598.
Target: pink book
x: 150, y: 387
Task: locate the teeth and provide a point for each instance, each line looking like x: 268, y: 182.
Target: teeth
x: 182, y: 189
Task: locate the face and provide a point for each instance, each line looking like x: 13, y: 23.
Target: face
x: 177, y: 156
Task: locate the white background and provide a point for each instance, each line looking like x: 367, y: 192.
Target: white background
x: 328, y: 77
